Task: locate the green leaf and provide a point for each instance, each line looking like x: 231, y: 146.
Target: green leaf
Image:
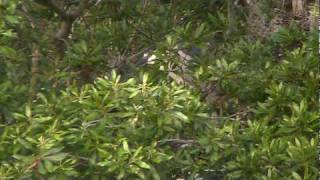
x: 12, y: 19
x: 155, y: 174
x: 42, y: 119
x: 137, y: 152
x: 104, y: 163
x: 23, y: 158
x: 199, y: 31
x: 296, y: 176
x: 181, y: 116
x: 145, y: 79
x: 7, y: 52
x: 134, y: 93
x: 25, y: 143
x: 56, y: 157
x: 53, y: 151
x: 42, y: 169
x: 121, y: 174
x: 143, y: 164
x: 122, y: 114
x: 49, y: 166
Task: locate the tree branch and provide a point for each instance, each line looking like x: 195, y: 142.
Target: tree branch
x: 55, y: 5
x: 75, y: 13
x: 68, y: 16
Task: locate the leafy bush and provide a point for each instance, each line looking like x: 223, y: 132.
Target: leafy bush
x: 111, y: 129
x: 188, y: 92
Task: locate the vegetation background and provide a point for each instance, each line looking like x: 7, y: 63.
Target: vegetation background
x: 159, y: 89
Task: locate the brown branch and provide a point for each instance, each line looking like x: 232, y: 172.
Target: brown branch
x: 64, y: 30
x: 67, y: 16
x: 75, y: 13
x: 34, y: 73
x: 55, y: 5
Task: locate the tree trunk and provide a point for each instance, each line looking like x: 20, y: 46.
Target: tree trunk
x: 298, y: 7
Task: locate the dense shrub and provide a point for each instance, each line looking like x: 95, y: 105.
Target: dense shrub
x: 158, y: 90
x: 109, y: 129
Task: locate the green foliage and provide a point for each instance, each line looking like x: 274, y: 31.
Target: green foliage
x: 111, y: 128
x: 210, y: 103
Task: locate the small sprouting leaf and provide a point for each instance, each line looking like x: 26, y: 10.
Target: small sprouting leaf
x: 28, y: 112
x: 312, y: 142
x: 113, y: 75
x: 145, y: 78
x: 125, y: 146
x: 298, y: 143
x: 169, y: 40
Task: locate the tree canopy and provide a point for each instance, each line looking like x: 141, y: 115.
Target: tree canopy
x: 159, y: 89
